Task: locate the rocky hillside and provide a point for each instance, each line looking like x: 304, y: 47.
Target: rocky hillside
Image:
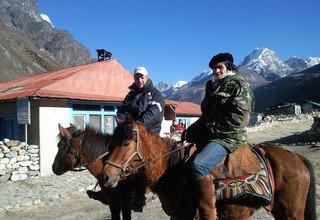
x: 30, y: 45
x: 295, y: 88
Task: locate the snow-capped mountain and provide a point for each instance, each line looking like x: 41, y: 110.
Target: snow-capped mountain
x: 179, y: 84
x: 266, y: 63
x: 262, y: 62
x: 312, y: 61
x: 202, y: 75
x: 296, y: 64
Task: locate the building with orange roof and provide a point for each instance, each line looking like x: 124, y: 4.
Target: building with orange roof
x: 32, y: 107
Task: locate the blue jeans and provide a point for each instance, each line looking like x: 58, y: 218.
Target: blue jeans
x: 207, y: 158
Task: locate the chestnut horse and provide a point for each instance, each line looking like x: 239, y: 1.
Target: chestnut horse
x: 86, y: 148
x: 136, y: 149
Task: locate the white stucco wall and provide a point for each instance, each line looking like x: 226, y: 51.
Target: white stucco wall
x: 49, y: 117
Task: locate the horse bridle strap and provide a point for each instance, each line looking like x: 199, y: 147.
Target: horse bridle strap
x: 76, y: 155
x: 90, y: 162
x: 126, y: 170
x: 125, y: 167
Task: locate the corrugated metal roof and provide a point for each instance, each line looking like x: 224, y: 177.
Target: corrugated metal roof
x: 188, y: 109
x: 102, y: 81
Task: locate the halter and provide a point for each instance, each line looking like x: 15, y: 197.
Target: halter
x: 125, y: 167
x: 73, y: 151
x: 126, y: 170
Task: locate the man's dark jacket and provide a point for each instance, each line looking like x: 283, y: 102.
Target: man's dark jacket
x: 145, y: 105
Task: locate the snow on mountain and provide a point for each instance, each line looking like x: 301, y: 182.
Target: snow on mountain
x: 312, y: 61
x: 266, y: 63
x: 179, y: 84
x: 262, y: 61
x: 46, y: 18
x: 202, y: 75
x: 296, y: 64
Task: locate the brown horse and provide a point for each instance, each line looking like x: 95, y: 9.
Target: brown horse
x: 135, y: 149
x: 78, y: 148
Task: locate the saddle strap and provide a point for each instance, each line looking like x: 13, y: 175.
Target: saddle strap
x: 271, y: 177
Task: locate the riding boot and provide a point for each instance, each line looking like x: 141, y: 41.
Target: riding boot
x: 204, y: 191
x: 97, y: 196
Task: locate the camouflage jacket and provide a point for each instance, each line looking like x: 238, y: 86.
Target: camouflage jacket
x: 226, y: 110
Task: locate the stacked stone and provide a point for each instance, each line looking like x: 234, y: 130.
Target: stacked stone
x: 18, y: 161
x: 274, y: 120
x: 315, y: 128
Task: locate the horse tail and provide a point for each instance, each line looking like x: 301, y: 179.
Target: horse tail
x: 310, y: 209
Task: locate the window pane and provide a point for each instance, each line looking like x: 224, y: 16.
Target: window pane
x: 95, y: 121
x: 79, y: 121
x: 109, y: 122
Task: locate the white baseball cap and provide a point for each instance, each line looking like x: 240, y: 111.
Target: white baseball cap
x: 141, y: 70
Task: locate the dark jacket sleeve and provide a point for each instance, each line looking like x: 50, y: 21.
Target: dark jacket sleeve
x: 153, y: 113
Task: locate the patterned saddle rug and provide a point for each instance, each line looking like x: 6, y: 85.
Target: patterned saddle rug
x: 253, y: 187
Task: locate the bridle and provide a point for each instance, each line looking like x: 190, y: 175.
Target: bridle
x: 125, y: 168
x: 80, y: 166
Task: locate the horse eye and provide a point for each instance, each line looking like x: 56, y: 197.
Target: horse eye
x: 126, y: 144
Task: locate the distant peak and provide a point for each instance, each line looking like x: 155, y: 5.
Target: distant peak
x: 46, y: 18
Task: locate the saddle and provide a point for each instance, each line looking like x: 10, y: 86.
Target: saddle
x: 238, y: 163
x: 244, y: 175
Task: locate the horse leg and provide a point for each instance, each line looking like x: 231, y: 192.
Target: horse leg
x: 126, y: 210
x: 115, y: 210
x: 292, y: 180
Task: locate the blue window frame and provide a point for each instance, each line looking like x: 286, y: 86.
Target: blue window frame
x: 9, y: 127
x: 99, y: 115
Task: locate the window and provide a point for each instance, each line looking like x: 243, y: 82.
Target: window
x: 95, y: 121
x: 9, y: 127
x: 79, y: 121
x: 100, y: 116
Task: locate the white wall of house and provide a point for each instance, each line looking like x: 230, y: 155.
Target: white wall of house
x: 49, y: 117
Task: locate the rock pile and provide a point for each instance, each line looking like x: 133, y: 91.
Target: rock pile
x: 315, y: 129
x: 18, y: 161
x: 274, y: 120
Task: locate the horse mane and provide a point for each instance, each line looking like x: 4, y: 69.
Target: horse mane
x: 93, y: 142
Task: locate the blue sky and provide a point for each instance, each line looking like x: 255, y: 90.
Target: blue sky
x: 176, y: 39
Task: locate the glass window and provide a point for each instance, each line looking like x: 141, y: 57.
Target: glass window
x: 109, y: 123
x: 95, y: 121
x: 79, y: 121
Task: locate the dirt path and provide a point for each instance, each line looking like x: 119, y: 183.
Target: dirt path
x: 64, y: 197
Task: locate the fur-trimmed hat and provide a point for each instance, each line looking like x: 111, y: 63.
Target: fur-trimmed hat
x: 221, y: 57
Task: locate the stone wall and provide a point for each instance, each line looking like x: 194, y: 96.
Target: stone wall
x: 18, y: 161
x: 274, y: 120
x: 315, y: 128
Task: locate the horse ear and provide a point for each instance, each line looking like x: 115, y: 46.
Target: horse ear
x: 72, y: 126
x: 64, y: 132
x: 129, y: 119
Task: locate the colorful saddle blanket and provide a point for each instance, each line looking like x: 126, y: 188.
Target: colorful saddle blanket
x: 254, y: 187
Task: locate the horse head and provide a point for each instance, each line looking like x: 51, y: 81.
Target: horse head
x: 66, y: 157
x: 125, y: 155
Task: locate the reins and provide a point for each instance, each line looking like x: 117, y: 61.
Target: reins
x: 87, y: 163
x: 126, y: 170
x: 80, y: 166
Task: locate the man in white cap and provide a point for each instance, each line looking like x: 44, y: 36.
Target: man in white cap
x: 144, y: 102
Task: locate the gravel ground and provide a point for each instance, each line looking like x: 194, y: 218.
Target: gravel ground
x: 63, y: 197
